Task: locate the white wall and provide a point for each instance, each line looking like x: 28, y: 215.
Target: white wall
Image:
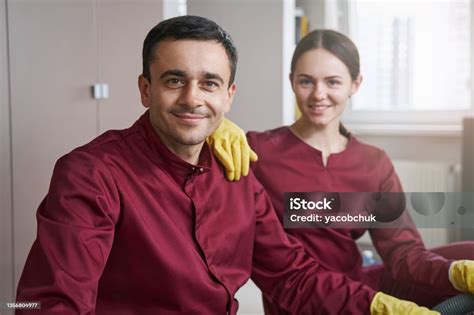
x: 418, y: 148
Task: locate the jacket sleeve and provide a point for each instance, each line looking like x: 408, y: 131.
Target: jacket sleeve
x: 75, y: 233
x: 402, y: 249
x: 295, y: 281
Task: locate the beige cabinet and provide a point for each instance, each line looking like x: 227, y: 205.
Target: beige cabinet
x: 6, y: 229
x: 58, y: 49
x: 52, y: 64
x: 122, y: 27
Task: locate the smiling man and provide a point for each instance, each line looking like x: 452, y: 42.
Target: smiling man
x: 187, y: 89
x: 143, y: 221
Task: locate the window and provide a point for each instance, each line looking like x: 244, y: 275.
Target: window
x: 415, y: 59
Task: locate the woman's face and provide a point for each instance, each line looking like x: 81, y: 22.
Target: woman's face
x: 322, y: 85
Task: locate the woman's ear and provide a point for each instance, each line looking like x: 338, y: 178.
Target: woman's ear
x: 356, y: 84
x: 290, y: 76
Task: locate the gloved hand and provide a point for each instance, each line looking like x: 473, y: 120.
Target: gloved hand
x: 384, y: 304
x: 229, y: 145
x: 461, y: 275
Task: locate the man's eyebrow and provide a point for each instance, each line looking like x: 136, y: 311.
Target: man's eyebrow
x: 182, y: 74
x: 173, y: 72
x: 213, y: 76
x: 328, y: 77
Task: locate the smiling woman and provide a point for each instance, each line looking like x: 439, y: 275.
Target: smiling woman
x: 324, y: 75
x: 322, y: 86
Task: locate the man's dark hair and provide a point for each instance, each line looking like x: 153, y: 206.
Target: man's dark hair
x: 187, y: 27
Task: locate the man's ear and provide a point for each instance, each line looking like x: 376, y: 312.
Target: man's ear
x: 144, y: 87
x: 230, y: 96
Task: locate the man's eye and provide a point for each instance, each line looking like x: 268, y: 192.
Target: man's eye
x: 175, y: 82
x: 211, y: 85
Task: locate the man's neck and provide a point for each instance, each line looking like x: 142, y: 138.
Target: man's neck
x: 188, y: 153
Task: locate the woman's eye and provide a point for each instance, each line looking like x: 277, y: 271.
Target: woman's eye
x: 304, y: 82
x: 333, y: 83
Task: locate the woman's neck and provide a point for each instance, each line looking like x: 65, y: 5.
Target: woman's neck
x: 326, y: 139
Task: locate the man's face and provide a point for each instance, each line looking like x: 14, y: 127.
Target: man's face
x: 189, y: 90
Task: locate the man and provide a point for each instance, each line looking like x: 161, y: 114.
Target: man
x: 143, y: 221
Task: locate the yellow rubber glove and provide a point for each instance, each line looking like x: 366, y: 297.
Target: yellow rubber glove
x: 384, y: 304
x: 229, y: 144
x: 461, y: 275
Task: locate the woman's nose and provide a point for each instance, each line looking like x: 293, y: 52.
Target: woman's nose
x: 320, y: 91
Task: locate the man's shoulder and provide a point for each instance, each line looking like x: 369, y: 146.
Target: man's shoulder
x: 111, y: 144
x: 110, y: 140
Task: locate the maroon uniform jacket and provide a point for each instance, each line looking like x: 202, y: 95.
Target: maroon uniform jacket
x: 127, y: 227
x: 288, y: 164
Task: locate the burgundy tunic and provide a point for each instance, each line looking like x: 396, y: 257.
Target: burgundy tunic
x: 127, y: 227
x: 288, y: 164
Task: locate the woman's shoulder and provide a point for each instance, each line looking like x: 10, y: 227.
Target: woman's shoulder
x: 368, y: 150
x: 271, y: 137
x: 262, y: 135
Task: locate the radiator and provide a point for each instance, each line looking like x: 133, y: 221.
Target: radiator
x: 421, y: 176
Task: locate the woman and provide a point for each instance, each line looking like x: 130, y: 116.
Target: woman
x: 317, y: 153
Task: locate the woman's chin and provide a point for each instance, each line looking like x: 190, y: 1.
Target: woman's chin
x: 318, y: 120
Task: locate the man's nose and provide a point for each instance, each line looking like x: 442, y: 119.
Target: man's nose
x: 191, y: 95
